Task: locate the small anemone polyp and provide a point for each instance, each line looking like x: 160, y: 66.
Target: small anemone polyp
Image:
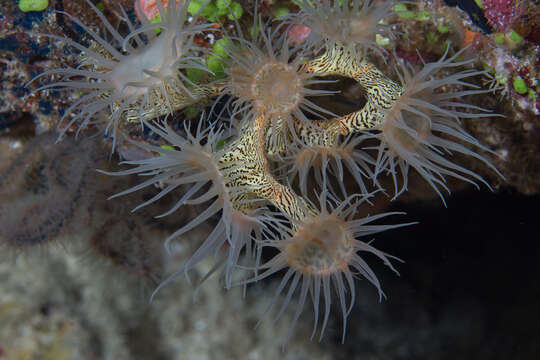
x: 351, y: 23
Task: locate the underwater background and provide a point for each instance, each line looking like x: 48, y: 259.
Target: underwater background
x: 468, y: 288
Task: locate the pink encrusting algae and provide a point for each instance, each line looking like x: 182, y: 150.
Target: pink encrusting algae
x: 149, y: 9
x: 502, y: 14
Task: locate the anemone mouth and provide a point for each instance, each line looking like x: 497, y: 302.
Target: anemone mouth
x: 277, y: 89
x: 323, y: 247
x: 407, y: 135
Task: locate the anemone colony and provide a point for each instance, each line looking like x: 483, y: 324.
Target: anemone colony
x: 247, y: 164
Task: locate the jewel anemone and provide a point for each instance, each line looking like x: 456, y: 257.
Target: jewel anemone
x: 323, y: 253
x: 422, y: 129
x: 343, y: 159
x: 266, y: 78
x: 353, y: 24
x: 141, y: 70
x: 189, y: 166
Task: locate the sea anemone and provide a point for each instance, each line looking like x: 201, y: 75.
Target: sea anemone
x: 141, y: 71
x: 352, y: 24
x: 195, y: 159
x: 422, y: 128
x: 266, y: 79
x: 321, y: 253
x: 334, y: 160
